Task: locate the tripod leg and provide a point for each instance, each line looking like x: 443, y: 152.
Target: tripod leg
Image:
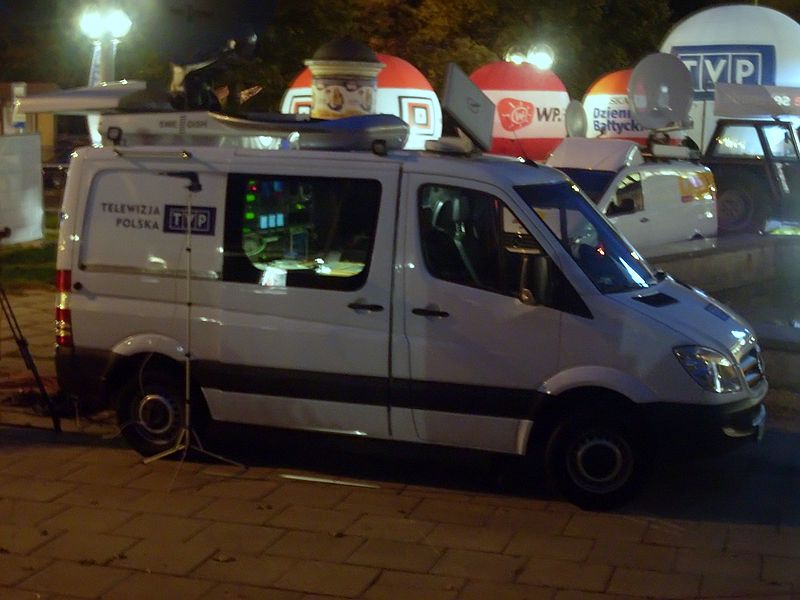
x: 181, y: 445
x: 197, y: 446
x: 27, y: 358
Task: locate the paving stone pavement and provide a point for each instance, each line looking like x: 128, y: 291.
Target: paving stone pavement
x: 82, y: 517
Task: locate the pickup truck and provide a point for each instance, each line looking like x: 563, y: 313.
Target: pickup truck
x: 756, y: 165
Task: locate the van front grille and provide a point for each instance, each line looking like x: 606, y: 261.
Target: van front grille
x: 752, y: 366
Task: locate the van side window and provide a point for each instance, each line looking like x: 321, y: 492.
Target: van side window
x: 781, y: 144
x: 738, y: 140
x: 471, y: 238
x: 629, y: 198
x: 314, y: 232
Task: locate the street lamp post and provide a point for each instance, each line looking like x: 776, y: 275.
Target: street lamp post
x: 540, y: 56
x: 105, y: 29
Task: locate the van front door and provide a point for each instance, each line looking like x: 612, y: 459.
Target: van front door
x: 648, y: 210
x: 474, y: 353
x: 306, y: 298
x: 786, y: 167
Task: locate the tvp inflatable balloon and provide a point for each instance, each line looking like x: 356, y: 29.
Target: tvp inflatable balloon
x: 739, y: 44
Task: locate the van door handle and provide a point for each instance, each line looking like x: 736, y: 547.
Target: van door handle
x: 366, y: 307
x: 430, y: 312
x: 644, y: 220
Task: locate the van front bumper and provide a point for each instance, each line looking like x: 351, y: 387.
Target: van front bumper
x: 707, y: 427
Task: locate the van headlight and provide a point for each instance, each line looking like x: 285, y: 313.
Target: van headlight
x: 710, y: 369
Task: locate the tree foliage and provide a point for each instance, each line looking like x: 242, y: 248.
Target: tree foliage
x: 589, y: 37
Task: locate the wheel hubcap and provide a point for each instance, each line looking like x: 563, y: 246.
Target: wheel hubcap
x: 601, y: 463
x: 157, y: 414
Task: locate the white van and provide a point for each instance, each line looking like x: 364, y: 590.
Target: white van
x: 448, y: 299
x: 654, y: 204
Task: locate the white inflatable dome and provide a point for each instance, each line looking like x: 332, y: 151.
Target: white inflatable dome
x: 738, y: 44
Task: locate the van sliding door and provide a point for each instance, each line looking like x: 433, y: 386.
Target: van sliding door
x: 305, y: 301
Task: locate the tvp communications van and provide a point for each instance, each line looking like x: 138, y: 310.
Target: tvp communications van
x: 431, y: 298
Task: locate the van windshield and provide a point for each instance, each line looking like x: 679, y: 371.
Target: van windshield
x: 593, y: 183
x: 611, y: 264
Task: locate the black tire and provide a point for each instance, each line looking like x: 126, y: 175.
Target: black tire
x: 597, y: 461
x: 150, y: 409
x: 739, y: 212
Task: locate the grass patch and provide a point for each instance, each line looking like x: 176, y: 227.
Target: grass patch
x: 51, y: 220
x: 28, y: 266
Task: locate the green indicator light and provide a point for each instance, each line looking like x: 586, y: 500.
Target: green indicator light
x: 246, y: 230
x: 249, y: 216
x: 250, y: 197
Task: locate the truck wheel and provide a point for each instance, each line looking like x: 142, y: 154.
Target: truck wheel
x: 597, y: 462
x: 150, y: 410
x: 738, y: 211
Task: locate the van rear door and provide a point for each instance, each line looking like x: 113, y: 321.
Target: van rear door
x: 131, y: 254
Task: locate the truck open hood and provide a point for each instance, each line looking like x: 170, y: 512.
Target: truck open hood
x: 753, y: 101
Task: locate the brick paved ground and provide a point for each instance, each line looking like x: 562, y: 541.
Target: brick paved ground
x: 82, y: 517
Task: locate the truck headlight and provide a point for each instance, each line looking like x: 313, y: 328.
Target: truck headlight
x: 710, y: 369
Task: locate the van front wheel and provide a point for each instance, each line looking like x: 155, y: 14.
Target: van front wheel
x: 597, y: 462
x: 150, y: 411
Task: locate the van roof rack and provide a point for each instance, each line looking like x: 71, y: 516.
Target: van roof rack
x: 131, y: 114
x: 376, y: 133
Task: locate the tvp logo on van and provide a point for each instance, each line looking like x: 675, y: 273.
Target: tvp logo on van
x: 177, y: 219
x: 733, y: 63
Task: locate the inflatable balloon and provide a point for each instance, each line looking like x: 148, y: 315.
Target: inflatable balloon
x: 530, y: 106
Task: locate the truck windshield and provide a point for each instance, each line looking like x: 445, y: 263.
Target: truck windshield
x: 593, y: 183
x: 611, y: 264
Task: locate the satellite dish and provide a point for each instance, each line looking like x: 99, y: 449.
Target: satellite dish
x: 660, y: 91
x: 575, y: 119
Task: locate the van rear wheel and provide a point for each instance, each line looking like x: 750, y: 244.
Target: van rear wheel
x: 597, y: 461
x: 150, y: 410
x: 738, y: 210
